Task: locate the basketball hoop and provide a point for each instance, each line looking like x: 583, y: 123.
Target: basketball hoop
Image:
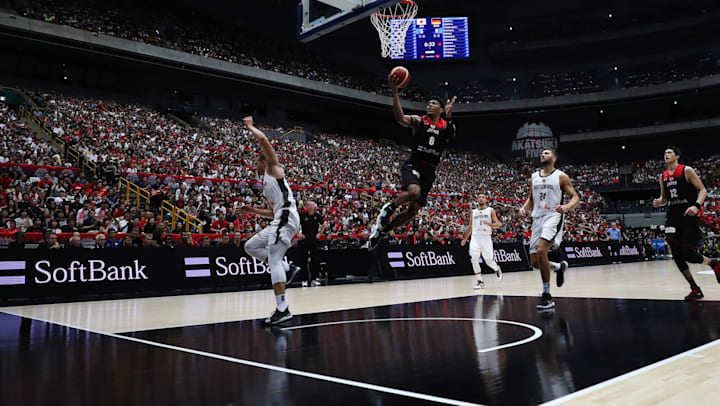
x: 392, y: 24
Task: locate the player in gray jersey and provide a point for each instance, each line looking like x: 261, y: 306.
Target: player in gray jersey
x: 547, y: 187
x: 270, y: 244
x: 481, y: 223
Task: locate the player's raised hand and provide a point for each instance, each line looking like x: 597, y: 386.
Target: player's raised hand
x: 248, y: 121
x: 449, y: 106
x: 393, y: 81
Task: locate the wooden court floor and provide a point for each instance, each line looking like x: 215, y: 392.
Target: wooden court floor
x: 620, y: 335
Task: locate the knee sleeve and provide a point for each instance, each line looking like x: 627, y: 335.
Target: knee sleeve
x: 475, y: 259
x: 491, y: 263
x: 555, y: 256
x: 678, y: 257
x: 691, y: 254
x: 256, y: 249
x: 276, y: 252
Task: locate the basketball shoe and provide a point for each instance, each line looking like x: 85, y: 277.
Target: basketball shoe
x: 695, y: 294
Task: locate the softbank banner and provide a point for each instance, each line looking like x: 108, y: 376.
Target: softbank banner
x: 36, y: 274
x: 600, y: 252
x: 438, y: 260
x: 510, y: 256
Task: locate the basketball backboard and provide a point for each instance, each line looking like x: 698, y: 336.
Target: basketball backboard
x: 319, y: 17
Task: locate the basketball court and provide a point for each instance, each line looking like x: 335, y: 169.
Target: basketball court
x: 620, y: 335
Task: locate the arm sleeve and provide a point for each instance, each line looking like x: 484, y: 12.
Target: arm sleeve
x: 451, y: 130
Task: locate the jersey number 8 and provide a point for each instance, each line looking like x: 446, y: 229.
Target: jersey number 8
x: 431, y: 141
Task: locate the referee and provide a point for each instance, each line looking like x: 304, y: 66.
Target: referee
x: 312, y: 224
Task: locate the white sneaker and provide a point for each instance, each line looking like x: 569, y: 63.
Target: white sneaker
x: 479, y: 285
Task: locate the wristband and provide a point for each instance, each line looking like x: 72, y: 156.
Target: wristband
x: 698, y: 205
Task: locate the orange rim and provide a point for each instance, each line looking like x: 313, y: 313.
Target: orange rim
x: 394, y: 17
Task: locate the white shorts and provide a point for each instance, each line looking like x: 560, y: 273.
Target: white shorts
x: 282, y: 228
x: 481, y: 245
x: 548, y: 227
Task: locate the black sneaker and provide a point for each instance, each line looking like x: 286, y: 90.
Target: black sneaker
x: 560, y: 273
x: 695, y: 294
x: 715, y: 264
x: 546, y: 303
x: 279, y: 317
x: 292, y: 273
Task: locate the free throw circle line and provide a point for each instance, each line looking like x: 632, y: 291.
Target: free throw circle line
x: 537, y: 333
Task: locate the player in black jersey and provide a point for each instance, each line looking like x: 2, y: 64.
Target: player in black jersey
x: 684, y: 193
x: 431, y: 135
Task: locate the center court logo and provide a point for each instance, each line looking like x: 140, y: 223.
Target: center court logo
x: 199, y: 267
x: 427, y: 258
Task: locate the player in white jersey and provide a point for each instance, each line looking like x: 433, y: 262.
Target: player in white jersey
x: 272, y: 242
x: 547, y: 187
x: 482, y: 222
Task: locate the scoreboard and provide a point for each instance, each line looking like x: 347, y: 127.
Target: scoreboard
x: 434, y: 38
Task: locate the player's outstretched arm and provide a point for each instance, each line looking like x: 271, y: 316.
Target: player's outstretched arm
x: 449, y: 106
x: 267, y: 148
x: 245, y: 210
x: 400, y: 117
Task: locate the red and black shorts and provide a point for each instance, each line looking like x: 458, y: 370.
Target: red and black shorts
x: 422, y: 174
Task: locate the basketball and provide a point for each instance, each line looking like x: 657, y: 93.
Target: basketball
x: 402, y: 74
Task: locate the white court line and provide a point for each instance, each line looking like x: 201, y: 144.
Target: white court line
x: 630, y: 374
x: 537, y: 333
x: 341, y: 381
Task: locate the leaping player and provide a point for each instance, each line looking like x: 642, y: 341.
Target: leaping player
x: 431, y: 135
x: 482, y: 222
x: 547, y: 187
x: 270, y: 244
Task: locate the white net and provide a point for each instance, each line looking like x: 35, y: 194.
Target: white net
x: 392, y: 24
